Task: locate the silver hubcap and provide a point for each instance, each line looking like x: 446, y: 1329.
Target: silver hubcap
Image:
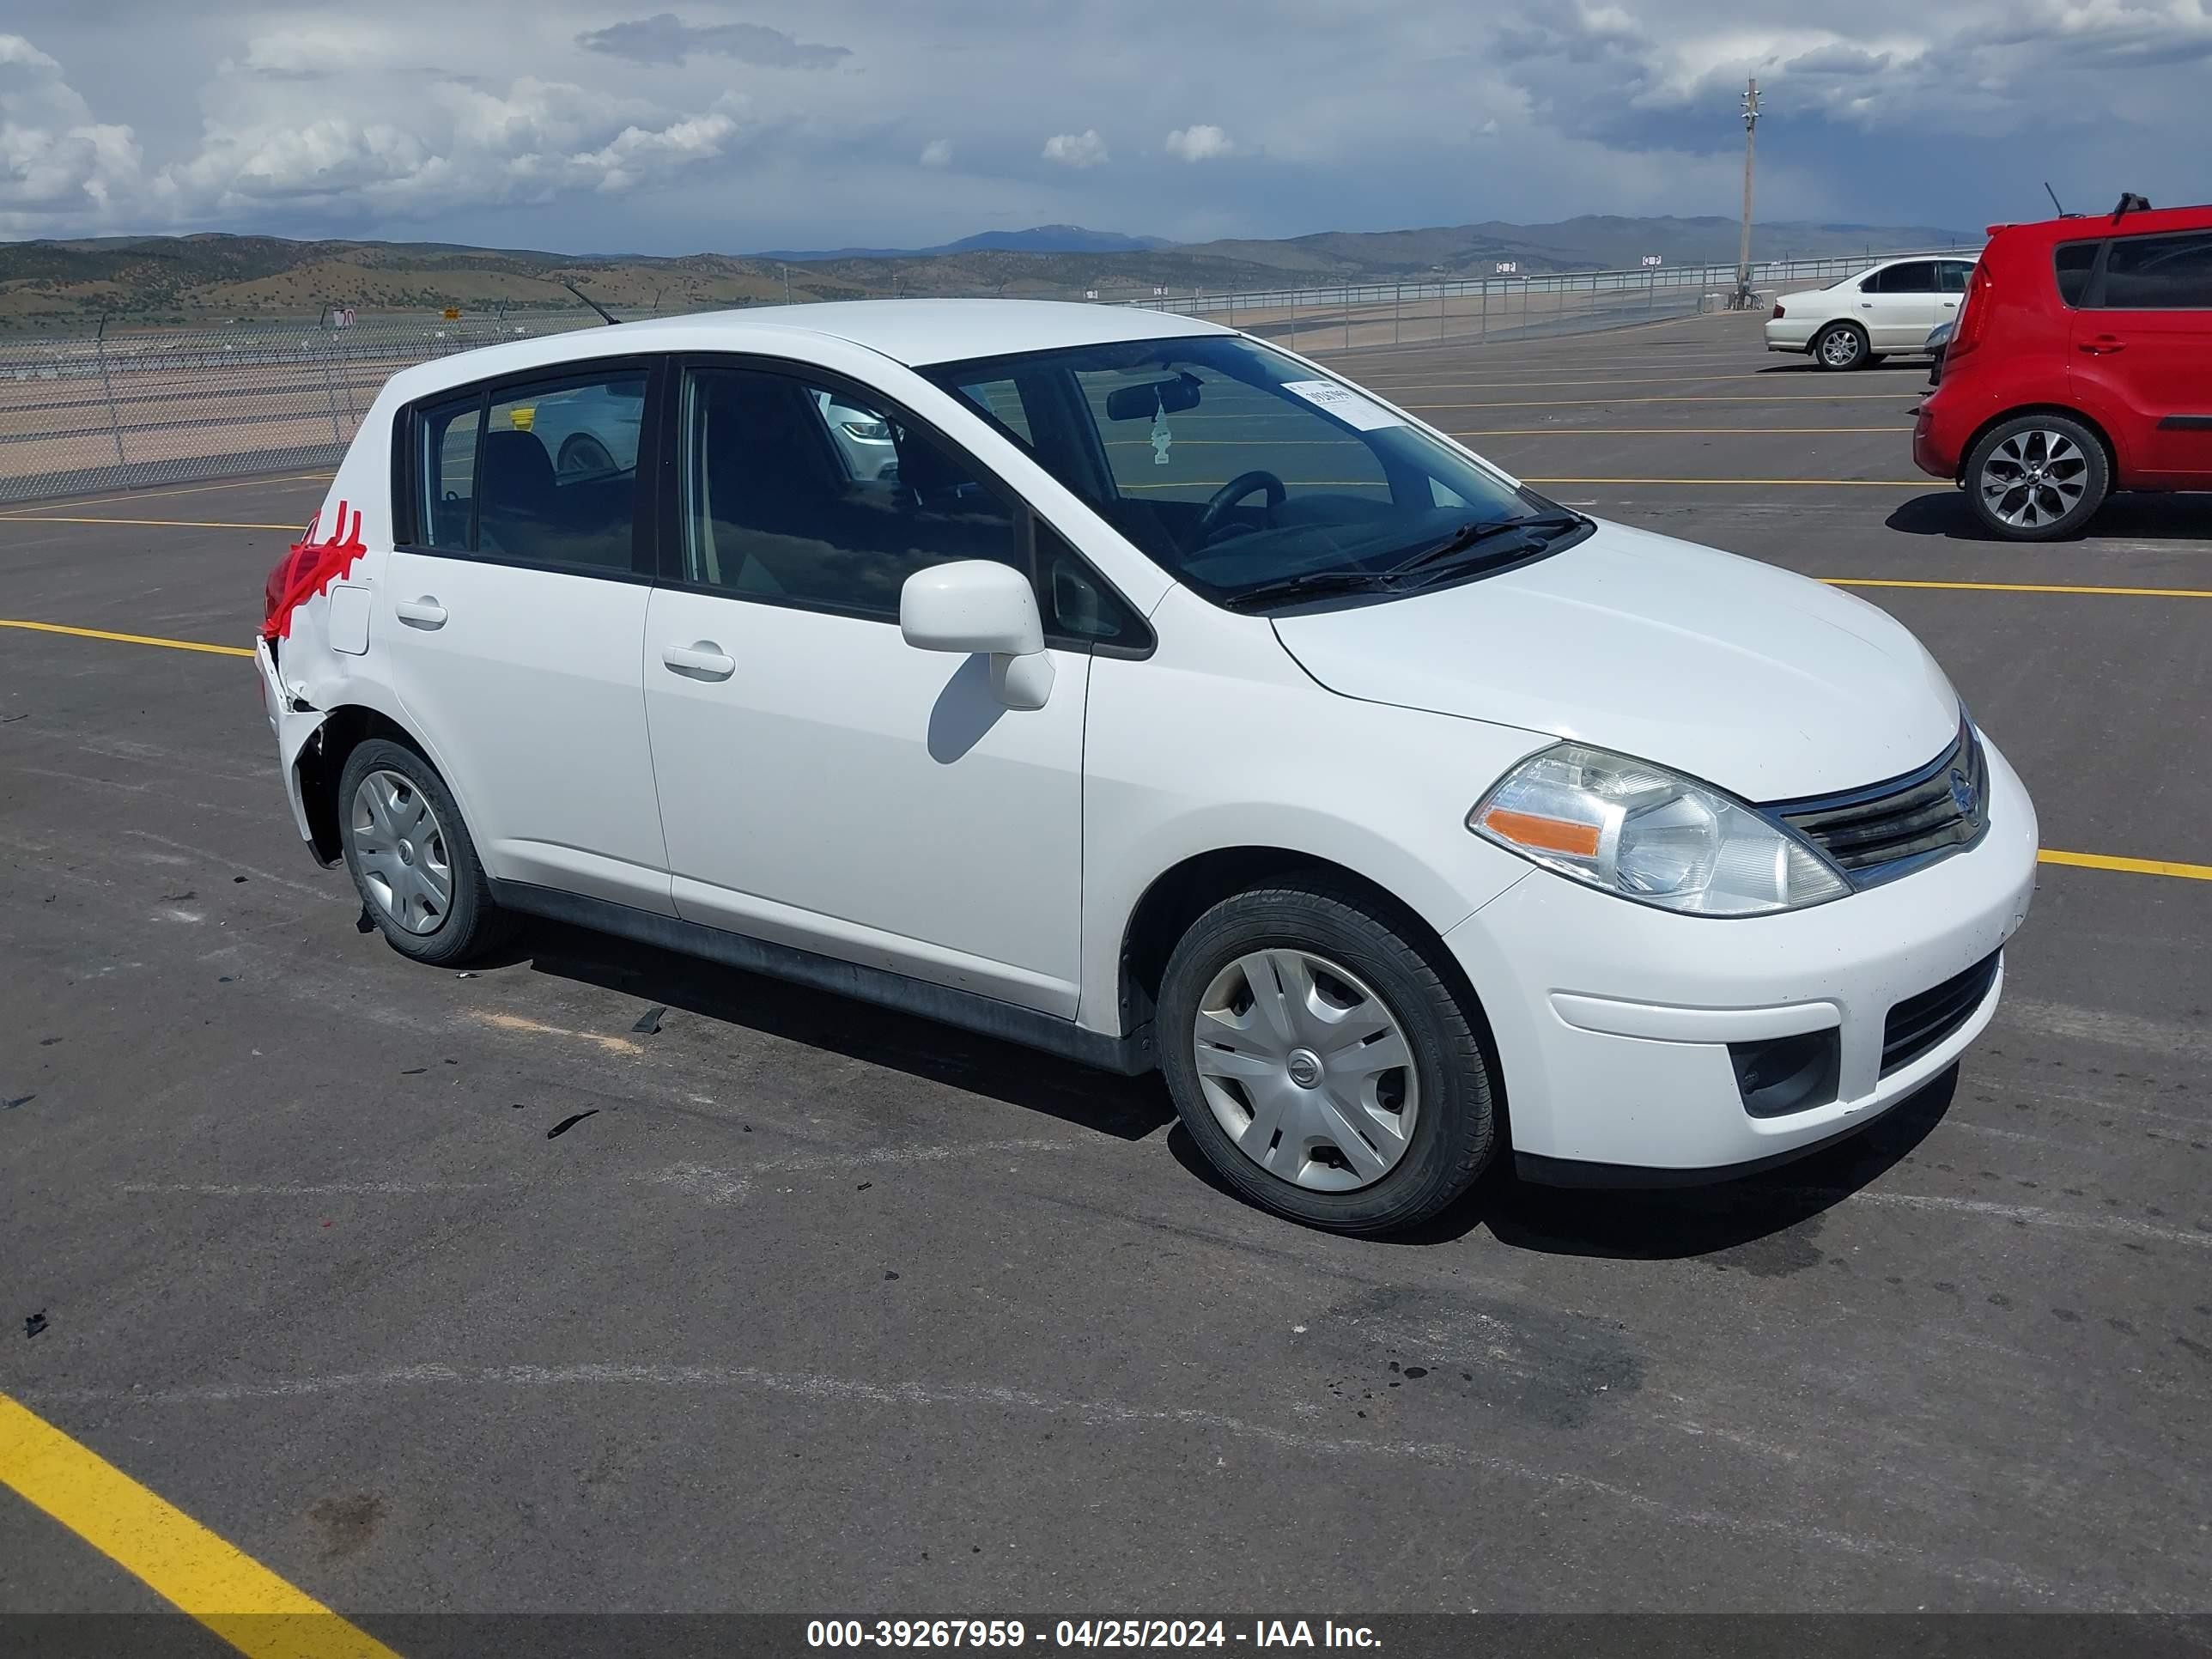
x: 401, y: 850
x: 1306, y: 1069
x: 1840, y: 348
x: 2034, y: 477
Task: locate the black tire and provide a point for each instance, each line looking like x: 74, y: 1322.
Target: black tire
x: 1454, y: 1126
x: 2087, y: 467
x: 1841, y: 346
x: 471, y: 923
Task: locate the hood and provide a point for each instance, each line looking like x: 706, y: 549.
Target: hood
x: 1769, y: 685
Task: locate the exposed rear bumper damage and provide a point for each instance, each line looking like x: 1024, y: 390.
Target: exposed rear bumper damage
x: 295, y: 724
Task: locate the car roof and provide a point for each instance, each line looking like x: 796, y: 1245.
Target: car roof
x: 2093, y: 227
x: 914, y: 332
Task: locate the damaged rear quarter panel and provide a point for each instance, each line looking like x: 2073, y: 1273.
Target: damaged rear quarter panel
x: 305, y: 678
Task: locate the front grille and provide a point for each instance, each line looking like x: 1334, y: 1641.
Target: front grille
x: 1920, y: 1022
x: 1871, y: 834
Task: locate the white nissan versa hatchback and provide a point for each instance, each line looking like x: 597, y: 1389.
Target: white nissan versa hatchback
x: 1169, y: 702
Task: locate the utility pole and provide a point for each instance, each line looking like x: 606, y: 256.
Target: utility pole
x: 1750, y: 140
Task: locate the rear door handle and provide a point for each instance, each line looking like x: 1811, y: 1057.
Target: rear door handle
x: 425, y: 612
x: 703, y: 660
x: 2102, y: 343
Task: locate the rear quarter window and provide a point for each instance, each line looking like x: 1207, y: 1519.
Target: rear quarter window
x: 2074, y: 261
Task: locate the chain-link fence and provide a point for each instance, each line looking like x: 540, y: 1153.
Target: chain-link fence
x: 1491, y: 310
x: 122, y: 410
x: 117, y: 409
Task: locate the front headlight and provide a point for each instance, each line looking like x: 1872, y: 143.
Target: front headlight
x: 1638, y: 830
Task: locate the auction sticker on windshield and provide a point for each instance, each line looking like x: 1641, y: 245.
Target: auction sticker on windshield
x: 1360, y: 414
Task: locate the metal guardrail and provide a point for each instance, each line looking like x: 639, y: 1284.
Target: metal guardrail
x: 123, y: 410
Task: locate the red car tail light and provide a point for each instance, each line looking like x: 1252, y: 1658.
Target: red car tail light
x: 1973, y: 315
x: 1778, y: 310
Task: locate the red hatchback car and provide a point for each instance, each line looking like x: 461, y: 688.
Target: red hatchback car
x: 2082, y: 363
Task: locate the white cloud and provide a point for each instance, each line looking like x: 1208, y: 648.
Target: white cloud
x: 425, y: 119
x: 1076, y: 149
x: 937, y: 153
x: 55, y: 160
x: 1199, y: 143
x: 281, y: 133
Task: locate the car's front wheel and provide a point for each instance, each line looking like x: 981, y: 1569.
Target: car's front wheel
x: 410, y: 856
x: 2037, y: 477
x: 1321, y: 1059
x: 1840, y: 346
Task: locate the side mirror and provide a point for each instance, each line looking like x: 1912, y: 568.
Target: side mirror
x: 978, y: 607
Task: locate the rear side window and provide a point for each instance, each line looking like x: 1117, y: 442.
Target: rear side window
x: 1954, y: 274
x: 544, y: 474
x: 2159, y: 273
x: 2075, y: 261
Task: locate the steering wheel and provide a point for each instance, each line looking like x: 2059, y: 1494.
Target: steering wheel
x: 1209, y: 519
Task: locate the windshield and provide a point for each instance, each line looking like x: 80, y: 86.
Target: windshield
x: 1241, y: 472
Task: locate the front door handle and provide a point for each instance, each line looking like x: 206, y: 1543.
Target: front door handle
x: 425, y: 612
x: 703, y: 660
x: 2102, y: 344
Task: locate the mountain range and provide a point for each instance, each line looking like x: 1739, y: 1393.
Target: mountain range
x: 211, y: 279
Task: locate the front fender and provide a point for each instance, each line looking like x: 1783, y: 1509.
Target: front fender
x: 1231, y: 745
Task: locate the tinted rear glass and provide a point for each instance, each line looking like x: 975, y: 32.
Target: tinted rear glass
x: 2075, y: 261
x: 1918, y: 277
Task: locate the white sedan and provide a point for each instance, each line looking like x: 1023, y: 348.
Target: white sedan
x: 1890, y: 307
x: 1170, y: 702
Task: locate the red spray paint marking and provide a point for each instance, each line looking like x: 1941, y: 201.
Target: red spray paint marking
x: 309, y: 569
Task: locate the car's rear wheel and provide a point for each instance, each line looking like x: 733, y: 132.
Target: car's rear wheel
x: 1321, y: 1060
x: 411, y: 856
x: 2037, y: 477
x: 584, y: 453
x: 1839, y: 346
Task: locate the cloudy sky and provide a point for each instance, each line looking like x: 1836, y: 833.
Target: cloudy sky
x: 602, y: 127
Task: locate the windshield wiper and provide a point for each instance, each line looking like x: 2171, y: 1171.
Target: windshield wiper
x: 1308, y: 584
x: 1481, y: 530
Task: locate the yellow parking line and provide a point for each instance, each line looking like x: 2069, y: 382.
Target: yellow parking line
x: 2132, y: 867
x: 130, y: 639
x: 180, y: 1561
x: 2025, y: 587
x: 171, y: 524
x: 150, y: 494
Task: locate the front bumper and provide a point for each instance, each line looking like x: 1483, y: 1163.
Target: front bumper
x: 1613, y: 1018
